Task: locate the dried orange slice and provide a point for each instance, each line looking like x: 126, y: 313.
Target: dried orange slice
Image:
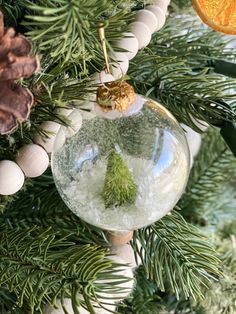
x: 218, y: 14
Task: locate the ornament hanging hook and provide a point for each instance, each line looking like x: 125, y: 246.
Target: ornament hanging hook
x: 101, y: 32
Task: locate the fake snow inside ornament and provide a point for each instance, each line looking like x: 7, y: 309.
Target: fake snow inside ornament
x: 127, y: 166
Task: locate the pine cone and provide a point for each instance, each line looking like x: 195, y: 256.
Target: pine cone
x: 15, y: 100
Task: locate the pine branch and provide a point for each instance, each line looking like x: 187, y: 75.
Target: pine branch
x: 8, y: 303
x: 221, y: 297
x: 213, y: 169
x: 176, y: 256
x: 41, y: 205
x: 177, y: 69
x: 145, y: 297
x: 62, y: 28
x: 41, y: 266
x: 12, y: 11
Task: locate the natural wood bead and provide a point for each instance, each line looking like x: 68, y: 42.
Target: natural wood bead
x: 118, y: 238
x: 142, y: 33
x: 160, y: 15
x: 11, y: 177
x: 148, y: 18
x: 194, y: 140
x: 119, y: 65
x: 64, y: 111
x: 33, y: 160
x: 126, y: 252
x: 75, y: 120
x: 128, y: 42
x: 163, y: 4
x: 47, y: 142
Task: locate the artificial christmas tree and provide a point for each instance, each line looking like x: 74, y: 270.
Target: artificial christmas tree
x: 49, y: 258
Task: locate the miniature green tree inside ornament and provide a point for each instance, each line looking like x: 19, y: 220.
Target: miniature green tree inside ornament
x: 128, y: 164
x: 120, y: 187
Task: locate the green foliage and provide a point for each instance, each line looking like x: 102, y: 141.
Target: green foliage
x: 64, y: 256
x: 228, y: 230
x: 62, y: 28
x: 120, y: 187
x: 176, y: 69
x: 145, y: 297
x: 214, y: 167
x: 9, y: 303
x: 176, y: 256
x: 180, y: 4
x: 222, y: 297
x: 39, y: 266
x: 41, y: 205
x: 12, y: 11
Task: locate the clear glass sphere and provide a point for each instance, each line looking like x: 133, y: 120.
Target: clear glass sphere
x: 154, y: 148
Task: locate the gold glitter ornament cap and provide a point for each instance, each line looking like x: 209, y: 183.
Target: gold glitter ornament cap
x: 117, y: 95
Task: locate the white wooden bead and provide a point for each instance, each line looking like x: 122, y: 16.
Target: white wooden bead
x: 51, y: 310
x: 47, y: 142
x: 142, y: 33
x: 126, y: 252
x: 64, y: 111
x: 194, y: 141
x: 11, y: 177
x: 109, y: 309
x: 67, y: 304
x: 202, y: 125
x: 75, y: 120
x: 88, y: 114
x: 33, y: 160
x: 128, y: 42
x: 60, y: 139
x: 88, y: 105
x: 119, y: 65
x: 126, y: 271
x: 160, y: 15
x: 163, y: 4
x: 148, y: 18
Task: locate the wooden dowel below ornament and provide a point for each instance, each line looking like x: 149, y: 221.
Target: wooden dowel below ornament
x: 118, y: 238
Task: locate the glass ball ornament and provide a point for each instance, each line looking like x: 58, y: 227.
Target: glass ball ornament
x: 145, y: 142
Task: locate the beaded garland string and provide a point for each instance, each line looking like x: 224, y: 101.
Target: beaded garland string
x: 32, y: 159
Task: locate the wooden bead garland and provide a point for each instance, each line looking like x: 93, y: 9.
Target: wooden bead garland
x: 160, y: 15
x: 33, y: 160
x: 147, y: 21
x: 139, y: 36
x: 142, y: 33
x: 119, y: 238
x: 126, y: 252
x: 163, y: 4
x: 148, y: 18
x: 120, y: 65
x: 75, y: 119
x: 11, y: 177
x: 51, y: 128
x: 130, y: 43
